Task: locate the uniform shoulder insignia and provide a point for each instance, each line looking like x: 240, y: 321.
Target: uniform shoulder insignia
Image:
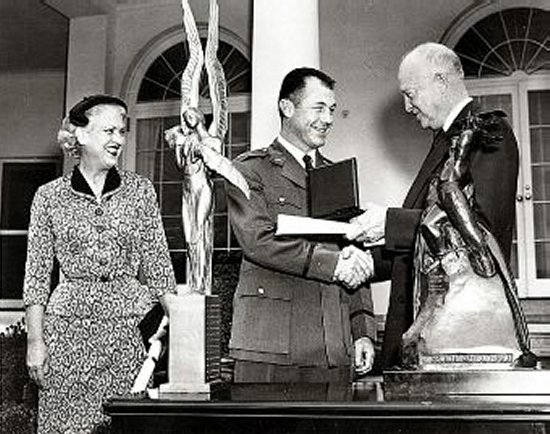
x: 255, y: 153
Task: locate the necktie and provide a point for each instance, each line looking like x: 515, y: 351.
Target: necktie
x: 308, y: 161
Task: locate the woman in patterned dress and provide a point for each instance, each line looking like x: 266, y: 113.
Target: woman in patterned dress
x: 103, y: 226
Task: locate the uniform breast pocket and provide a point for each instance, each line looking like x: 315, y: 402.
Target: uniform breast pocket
x: 262, y: 313
x: 285, y: 201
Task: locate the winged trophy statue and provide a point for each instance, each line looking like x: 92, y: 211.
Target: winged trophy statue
x: 199, y: 150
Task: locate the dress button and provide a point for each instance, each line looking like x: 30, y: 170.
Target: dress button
x: 261, y: 291
x: 98, y: 211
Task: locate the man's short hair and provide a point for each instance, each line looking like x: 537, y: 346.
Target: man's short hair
x: 295, y: 81
x: 440, y: 56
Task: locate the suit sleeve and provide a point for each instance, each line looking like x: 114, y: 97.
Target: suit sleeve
x: 494, y: 173
x: 401, y: 227
x: 255, y: 230
x: 400, y: 237
x: 362, y: 319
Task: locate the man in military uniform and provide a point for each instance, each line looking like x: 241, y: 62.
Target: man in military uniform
x: 301, y: 312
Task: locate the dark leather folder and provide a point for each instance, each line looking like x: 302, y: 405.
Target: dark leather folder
x: 333, y: 192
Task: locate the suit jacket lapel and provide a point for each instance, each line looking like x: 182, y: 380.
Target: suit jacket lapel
x: 434, y: 158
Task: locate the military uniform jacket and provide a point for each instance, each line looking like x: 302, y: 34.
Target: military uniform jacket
x: 287, y: 310
x: 494, y: 172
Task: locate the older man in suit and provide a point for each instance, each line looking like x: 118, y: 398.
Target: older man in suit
x: 432, y: 84
x: 301, y: 313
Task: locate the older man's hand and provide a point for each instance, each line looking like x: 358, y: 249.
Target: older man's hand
x: 368, y: 227
x: 354, y: 267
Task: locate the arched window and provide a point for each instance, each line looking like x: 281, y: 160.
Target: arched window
x: 162, y: 79
x: 505, y: 52
x: 155, y: 88
x: 506, y: 41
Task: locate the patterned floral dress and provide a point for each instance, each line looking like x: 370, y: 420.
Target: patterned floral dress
x: 91, y: 317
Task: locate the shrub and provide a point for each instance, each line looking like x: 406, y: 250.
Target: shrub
x: 19, y: 395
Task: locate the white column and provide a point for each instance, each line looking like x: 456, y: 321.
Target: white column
x: 285, y: 36
x: 86, y: 63
x: 86, y: 70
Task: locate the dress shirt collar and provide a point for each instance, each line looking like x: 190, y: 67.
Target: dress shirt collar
x: 454, y: 113
x: 298, y: 154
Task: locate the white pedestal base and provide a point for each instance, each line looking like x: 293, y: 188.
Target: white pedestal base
x: 194, y: 344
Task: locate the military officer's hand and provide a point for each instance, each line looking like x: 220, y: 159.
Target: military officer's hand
x: 364, y: 355
x: 354, y: 267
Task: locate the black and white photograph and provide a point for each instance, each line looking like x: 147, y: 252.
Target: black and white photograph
x: 275, y: 216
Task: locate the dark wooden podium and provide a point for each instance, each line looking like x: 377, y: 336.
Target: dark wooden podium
x: 327, y: 408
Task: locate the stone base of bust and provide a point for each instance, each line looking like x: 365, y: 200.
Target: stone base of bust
x: 194, y: 344
x: 465, y: 361
x: 523, y: 384
x: 467, y: 324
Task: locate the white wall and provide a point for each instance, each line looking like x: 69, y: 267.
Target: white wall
x: 31, y: 106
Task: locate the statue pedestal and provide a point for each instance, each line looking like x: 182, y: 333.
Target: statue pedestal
x: 466, y: 361
x: 497, y: 384
x: 194, y: 344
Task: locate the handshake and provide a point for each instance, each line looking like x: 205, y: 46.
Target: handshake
x: 356, y: 266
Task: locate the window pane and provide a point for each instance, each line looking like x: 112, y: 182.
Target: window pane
x: 240, y: 128
x: 148, y: 165
x: 19, y: 183
x: 539, y: 107
x: 149, y: 134
x: 220, y: 231
x: 170, y: 169
x: 541, y: 182
x: 14, y: 252
x: 542, y: 252
x: 171, y: 199
x: 178, y: 261
x: 174, y: 232
x: 496, y: 102
x: 542, y: 220
x: 540, y: 144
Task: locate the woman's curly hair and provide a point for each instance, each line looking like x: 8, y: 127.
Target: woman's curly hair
x: 66, y: 138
